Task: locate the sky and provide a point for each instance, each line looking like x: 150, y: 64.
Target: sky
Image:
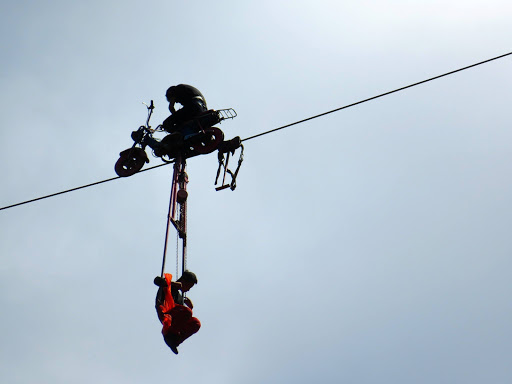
x: 370, y: 245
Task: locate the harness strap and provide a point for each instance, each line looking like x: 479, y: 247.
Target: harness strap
x: 225, y: 164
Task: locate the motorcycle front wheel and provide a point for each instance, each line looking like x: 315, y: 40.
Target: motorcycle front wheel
x: 130, y: 162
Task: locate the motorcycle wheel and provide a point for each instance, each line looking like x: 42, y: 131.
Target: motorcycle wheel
x: 213, y: 137
x: 130, y: 162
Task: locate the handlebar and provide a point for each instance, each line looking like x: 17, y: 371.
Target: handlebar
x: 150, y: 108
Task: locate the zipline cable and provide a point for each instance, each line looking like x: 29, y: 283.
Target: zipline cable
x: 376, y: 97
x: 77, y: 188
x: 283, y: 127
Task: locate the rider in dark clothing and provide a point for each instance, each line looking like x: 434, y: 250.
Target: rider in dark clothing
x: 181, y: 122
x: 193, y: 104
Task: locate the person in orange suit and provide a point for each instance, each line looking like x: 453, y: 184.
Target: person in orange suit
x: 174, y: 310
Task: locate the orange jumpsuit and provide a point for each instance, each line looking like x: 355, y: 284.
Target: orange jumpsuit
x: 177, y: 320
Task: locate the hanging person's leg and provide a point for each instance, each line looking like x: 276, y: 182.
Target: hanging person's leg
x: 183, y: 325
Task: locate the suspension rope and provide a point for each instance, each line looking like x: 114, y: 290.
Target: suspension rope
x: 179, y: 179
x: 167, y: 233
x: 279, y: 128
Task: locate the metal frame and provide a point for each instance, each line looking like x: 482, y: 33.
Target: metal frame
x: 177, y: 214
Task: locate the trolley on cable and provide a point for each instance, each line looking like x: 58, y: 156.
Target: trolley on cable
x: 173, y: 149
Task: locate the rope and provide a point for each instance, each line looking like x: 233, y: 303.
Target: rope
x: 167, y: 228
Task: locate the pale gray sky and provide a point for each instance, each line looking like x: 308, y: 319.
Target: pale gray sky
x: 368, y: 246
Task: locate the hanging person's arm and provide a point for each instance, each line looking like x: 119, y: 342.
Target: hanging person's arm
x: 188, y: 302
x: 161, y: 282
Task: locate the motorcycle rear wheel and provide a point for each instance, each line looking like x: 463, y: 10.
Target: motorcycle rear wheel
x: 213, y: 137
